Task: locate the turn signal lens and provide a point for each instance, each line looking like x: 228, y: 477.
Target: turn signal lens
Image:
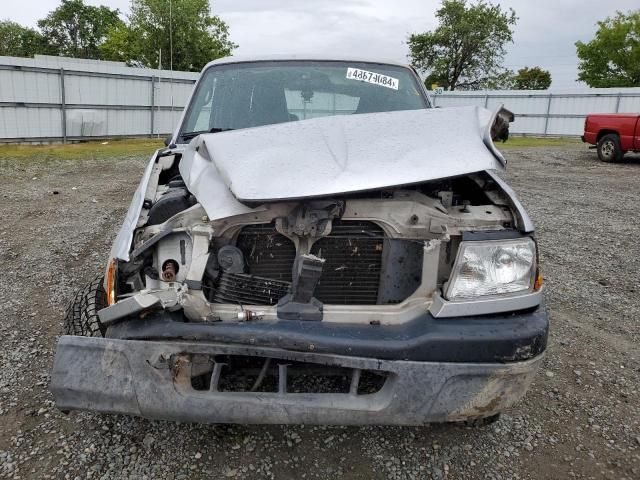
x: 539, y: 281
x: 110, y: 284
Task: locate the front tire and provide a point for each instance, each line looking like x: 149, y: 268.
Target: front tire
x: 82, y: 313
x: 609, y: 150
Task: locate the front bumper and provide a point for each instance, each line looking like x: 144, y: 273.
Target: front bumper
x: 142, y: 378
x: 498, y: 338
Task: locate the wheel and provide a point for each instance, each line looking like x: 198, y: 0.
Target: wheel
x: 82, y: 313
x: 609, y: 149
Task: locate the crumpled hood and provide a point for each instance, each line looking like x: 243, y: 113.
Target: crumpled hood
x: 326, y: 156
x: 334, y: 155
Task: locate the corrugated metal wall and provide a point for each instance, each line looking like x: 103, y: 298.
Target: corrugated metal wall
x: 559, y: 113
x: 46, y: 99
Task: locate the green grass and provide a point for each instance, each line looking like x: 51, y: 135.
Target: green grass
x: 146, y: 146
x: 81, y: 151
x: 520, y: 142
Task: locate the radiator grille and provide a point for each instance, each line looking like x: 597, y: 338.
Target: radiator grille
x: 240, y: 288
x: 353, y: 254
x: 267, y: 253
x: 351, y: 273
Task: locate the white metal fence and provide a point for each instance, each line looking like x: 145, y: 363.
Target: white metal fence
x: 46, y: 99
x: 548, y: 113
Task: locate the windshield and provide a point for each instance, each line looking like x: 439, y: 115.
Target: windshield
x: 244, y: 95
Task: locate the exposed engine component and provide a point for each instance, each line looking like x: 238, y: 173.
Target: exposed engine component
x: 244, y: 289
x: 175, y: 200
x: 311, y: 220
x: 353, y: 254
x: 366, y: 262
x: 248, y: 315
x: 300, y: 304
x: 267, y: 253
x: 231, y: 259
x: 172, y: 257
x: 169, y: 270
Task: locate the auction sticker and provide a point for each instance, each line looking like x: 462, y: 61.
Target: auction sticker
x: 372, y: 77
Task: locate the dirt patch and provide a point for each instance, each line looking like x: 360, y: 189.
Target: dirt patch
x: 580, y: 419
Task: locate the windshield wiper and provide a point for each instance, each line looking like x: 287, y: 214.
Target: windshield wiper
x: 191, y: 135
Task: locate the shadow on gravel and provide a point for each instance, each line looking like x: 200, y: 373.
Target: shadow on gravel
x: 632, y: 159
x: 140, y: 426
x: 592, y: 156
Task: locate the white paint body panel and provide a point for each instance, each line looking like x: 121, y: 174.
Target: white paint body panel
x: 122, y: 243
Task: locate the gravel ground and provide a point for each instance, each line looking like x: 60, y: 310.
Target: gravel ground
x: 580, y: 419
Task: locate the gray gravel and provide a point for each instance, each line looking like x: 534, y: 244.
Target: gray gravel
x: 581, y: 418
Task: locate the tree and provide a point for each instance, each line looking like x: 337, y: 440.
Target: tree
x: 502, y: 80
x: 612, y: 58
x: 75, y: 29
x: 181, y: 33
x: 19, y: 41
x: 467, y: 48
x: 533, y: 78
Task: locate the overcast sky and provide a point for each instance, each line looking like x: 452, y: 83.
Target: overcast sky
x: 544, y: 35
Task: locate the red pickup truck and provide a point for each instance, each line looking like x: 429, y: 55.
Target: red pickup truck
x: 614, y: 134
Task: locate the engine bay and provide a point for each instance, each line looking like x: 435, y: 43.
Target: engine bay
x: 384, y: 251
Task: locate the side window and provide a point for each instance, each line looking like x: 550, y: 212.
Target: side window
x: 306, y: 105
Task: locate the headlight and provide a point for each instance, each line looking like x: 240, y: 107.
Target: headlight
x: 493, y: 267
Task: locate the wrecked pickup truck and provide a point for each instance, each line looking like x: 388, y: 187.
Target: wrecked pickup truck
x: 316, y: 244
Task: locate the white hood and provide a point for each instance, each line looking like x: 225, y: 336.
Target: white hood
x: 334, y: 155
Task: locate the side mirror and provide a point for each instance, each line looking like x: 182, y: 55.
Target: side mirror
x: 167, y: 141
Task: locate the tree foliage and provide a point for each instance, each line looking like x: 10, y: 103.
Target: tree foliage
x: 76, y: 29
x: 612, y: 57
x: 182, y: 33
x: 532, y: 78
x: 467, y: 48
x: 19, y: 41
x: 179, y: 33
